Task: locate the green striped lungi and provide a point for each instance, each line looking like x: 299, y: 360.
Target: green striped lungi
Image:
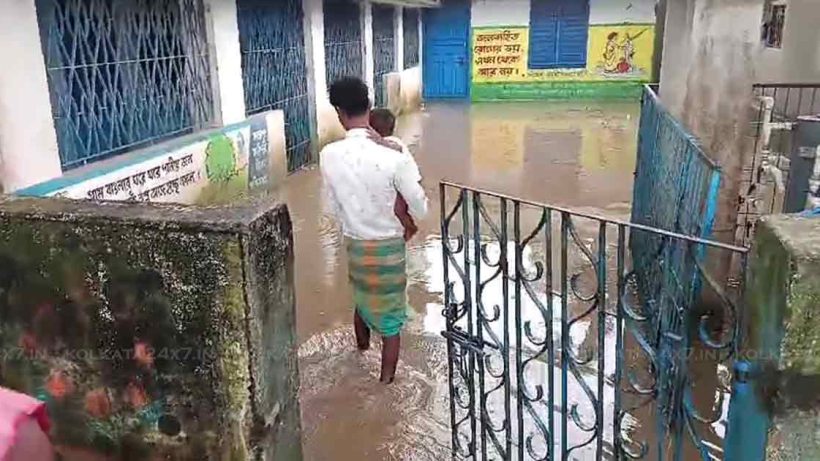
x: 377, y: 273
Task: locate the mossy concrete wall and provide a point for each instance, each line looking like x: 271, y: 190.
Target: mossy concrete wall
x: 153, y: 331
x: 784, y: 332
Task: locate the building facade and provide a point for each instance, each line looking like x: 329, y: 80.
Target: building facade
x: 540, y: 49
x: 209, y: 91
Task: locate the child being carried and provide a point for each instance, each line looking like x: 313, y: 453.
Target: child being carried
x: 384, y: 122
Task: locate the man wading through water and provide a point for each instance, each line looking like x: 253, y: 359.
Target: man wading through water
x: 363, y: 175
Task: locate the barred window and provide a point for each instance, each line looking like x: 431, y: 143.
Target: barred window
x: 411, y: 37
x: 343, y: 40
x: 271, y: 37
x: 124, y: 74
x: 774, y: 21
x: 384, y: 47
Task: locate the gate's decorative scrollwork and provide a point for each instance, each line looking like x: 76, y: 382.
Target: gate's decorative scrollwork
x: 560, y: 349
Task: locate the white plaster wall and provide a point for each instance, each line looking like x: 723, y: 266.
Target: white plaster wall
x: 28, y: 142
x: 517, y: 12
x: 367, y: 41
x: 411, y: 89
x: 618, y: 11
x: 227, y: 58
x: 327, y: 123
x: 398, y: 32
x: 277, y: 146
x: 798, y: 60
x: 710, y: 56
x: 487, y: 13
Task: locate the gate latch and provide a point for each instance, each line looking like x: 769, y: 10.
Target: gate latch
x: 467, y: 341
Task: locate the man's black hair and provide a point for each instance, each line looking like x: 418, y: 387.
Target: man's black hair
x: 350, y: 96
x: 383, y: 121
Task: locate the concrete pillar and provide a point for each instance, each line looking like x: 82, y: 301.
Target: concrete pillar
x: 782, y: 345
x: 367, y: 43
x: 226, y: 61
x: 28, y: 141
x: 314, y: 27
x: 399, y: 34
x: 706, y: 78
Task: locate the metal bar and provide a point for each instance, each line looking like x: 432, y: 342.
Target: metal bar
x: 445, y: 236
x: 505, y: 293
x: 565, y: 358
x: 519, y: 346
x: 785, y: 85
x: 599, y: 451
x: 549, y: 336
x: 619, y: 341
x: 674, y: 121
x: 482, y: 399
x: 465, y: 218
x: 631, y: 226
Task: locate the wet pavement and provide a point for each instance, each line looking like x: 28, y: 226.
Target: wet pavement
x: 577, y: 155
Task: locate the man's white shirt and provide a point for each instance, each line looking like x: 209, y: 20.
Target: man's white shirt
x: 362, y: 180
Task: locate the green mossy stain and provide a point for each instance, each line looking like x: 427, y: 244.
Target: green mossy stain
x: 235, y: 353
x: 801, y: 344
x: 220, y: 159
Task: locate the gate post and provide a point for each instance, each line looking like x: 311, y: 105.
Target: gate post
x: 774, y: 410
x: 748, y: 420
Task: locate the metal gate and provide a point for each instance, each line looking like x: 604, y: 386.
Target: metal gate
x: 274, y: 71
x: 384, y: 46
x: 560, y: 348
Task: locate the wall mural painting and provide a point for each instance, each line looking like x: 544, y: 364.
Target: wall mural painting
x: 615, y: 52
x: 619, y: 54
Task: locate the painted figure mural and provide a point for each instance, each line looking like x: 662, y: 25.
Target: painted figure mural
x: 619, y: 56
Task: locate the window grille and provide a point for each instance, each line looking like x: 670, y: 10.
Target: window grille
x: 343, y: 40
x: 410, y: 24
x: 124, y: 73
x: 384, y: 47
x: 271, y: 36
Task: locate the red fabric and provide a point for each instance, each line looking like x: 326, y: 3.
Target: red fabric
x: 16, y: 409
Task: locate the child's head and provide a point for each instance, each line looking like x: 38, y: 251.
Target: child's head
x: 383, y: 121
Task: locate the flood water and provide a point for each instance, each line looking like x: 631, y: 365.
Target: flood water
x: 580, y: 155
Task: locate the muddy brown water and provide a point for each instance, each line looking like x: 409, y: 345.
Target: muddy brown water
x: 573, y: 154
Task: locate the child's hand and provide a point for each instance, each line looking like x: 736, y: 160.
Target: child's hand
x: 378, y: 139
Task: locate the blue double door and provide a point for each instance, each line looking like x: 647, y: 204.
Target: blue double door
x: 447, y: 50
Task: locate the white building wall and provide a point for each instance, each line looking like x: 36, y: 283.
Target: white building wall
x: 488, y: 13
x: 398, y: 32
x: 226, y: 57
x: 798, y: 60
x: 28, y: 141
x: 367, y: 42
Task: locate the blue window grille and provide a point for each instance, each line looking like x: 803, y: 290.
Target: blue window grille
x: 271, y: 37
x: 343, y: 40
x: 124, y: 74
x: 384, y: 47
x: 410, y: 24
x: 559, y: 31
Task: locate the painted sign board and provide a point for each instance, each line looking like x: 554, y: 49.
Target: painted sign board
x: 203, y: 168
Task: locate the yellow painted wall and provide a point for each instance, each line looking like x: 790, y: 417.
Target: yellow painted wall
x: 500, y: 54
